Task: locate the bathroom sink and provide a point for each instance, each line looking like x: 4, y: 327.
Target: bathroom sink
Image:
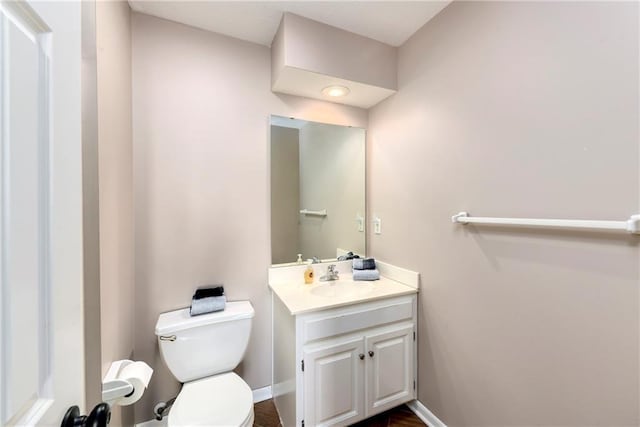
x: 342, y: 289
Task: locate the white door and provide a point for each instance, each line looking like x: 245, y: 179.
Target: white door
x: 333, y: 383
x: 41, y: 310
x: 390, y: 372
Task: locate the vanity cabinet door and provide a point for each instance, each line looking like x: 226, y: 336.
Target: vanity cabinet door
x: 333, y: 383
x: 390, y: 371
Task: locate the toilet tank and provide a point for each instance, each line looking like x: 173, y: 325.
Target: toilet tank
x: 205, y: 345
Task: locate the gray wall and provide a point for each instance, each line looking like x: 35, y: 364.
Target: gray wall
x: 113, y: 38
x: 285, y: 194
x: 525, y: 110
x: 201, y: 108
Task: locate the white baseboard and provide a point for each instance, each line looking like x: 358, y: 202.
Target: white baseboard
x: 259, y: 395
x: 153, y: 423
x: 262, y: 394
x: 425, y: 414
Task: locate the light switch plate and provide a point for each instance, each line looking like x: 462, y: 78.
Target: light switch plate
x: 377, y: 225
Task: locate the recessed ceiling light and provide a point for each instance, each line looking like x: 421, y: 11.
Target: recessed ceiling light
x: 335, y: 91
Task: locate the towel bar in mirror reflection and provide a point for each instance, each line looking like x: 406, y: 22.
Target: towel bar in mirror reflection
x: 323, y: 212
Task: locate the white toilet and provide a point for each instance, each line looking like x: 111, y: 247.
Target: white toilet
x: 201, y: 353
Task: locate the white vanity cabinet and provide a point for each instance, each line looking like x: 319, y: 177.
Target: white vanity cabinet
x: 349, y: 363
x: 334, y: 382
x: 390, y: 373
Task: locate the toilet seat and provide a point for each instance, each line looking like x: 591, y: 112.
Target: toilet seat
x: 221, y: 400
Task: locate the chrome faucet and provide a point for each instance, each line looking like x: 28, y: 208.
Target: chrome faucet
x: 315, y: 260
x: 332, y: 274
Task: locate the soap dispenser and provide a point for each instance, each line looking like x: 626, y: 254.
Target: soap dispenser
x: 308, y: 274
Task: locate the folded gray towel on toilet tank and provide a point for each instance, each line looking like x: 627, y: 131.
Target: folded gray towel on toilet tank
x: 209, y: 291
x: 207, y: 305
x: 364, y: 264
x: 366, y: 275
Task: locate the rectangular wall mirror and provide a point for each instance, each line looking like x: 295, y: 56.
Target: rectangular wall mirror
x: 317, y: 190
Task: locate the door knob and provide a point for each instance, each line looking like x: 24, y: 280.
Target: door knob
x: 361, y: 356
x: 99, y: 417
x: 371, y: 353
x: 73, y: 418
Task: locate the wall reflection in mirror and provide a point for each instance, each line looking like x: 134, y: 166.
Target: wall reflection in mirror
x: 317, y: 190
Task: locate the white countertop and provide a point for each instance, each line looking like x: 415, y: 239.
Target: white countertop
x: 300, y: 298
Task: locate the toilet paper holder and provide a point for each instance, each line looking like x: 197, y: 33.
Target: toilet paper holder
x: 114, y: 388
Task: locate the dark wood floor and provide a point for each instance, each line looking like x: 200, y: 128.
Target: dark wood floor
x: 267, y: 416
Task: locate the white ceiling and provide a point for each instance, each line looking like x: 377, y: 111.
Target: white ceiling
x: 391, y: 22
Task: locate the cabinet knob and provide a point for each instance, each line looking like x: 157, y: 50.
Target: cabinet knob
x: 361, y: 356
x: 371, y: 353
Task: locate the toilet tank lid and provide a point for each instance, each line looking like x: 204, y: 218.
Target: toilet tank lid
x: 178, y: 320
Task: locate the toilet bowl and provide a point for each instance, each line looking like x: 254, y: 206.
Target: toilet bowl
x: 221, y: 400
x: 201, y: 353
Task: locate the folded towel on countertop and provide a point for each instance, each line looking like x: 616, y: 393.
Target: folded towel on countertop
x: 366, y: 275
x: 207, y: 305
x: 209, y: 291
x: 364, y: 264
